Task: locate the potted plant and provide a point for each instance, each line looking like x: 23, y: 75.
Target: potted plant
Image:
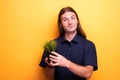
x: 50, y: 46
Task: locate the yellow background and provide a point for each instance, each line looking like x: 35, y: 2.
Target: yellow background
x: 26, y: 24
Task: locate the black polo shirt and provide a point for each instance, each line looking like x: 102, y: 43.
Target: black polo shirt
x: 80, y: 51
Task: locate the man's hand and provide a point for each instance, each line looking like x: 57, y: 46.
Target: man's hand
x: 58, y: 60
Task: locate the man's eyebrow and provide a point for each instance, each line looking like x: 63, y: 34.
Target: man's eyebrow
x: 64, y: 18
x: 73, y: 15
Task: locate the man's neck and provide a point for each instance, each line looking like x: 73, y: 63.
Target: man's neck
x: 70, y: 37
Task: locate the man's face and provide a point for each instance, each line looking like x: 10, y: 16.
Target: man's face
x: 69, y: 22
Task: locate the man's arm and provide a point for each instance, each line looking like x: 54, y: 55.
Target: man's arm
x: 83, y: 71
x: 49, y: 70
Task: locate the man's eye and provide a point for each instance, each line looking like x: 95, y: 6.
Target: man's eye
x: 64, y: 19
x: 73, y: 18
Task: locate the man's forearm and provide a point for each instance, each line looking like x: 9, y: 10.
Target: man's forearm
x: 49, y: 72
x: 82, y: 71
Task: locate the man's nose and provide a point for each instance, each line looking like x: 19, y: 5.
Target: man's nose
x: 69, y: 22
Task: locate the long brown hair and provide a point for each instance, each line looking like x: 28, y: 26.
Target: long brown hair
x: 79, y: 28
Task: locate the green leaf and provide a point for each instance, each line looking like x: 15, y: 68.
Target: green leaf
x: 50, y: 46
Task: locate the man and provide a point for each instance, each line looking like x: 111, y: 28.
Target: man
x: 75, y: 57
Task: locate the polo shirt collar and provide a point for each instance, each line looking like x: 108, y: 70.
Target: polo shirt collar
x: 75, y: 39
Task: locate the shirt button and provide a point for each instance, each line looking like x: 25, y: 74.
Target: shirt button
x: 69, y: 48
x: 68, y: 57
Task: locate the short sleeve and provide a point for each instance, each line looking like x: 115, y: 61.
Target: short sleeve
x: 42, y: 62
x: 90, y: 57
